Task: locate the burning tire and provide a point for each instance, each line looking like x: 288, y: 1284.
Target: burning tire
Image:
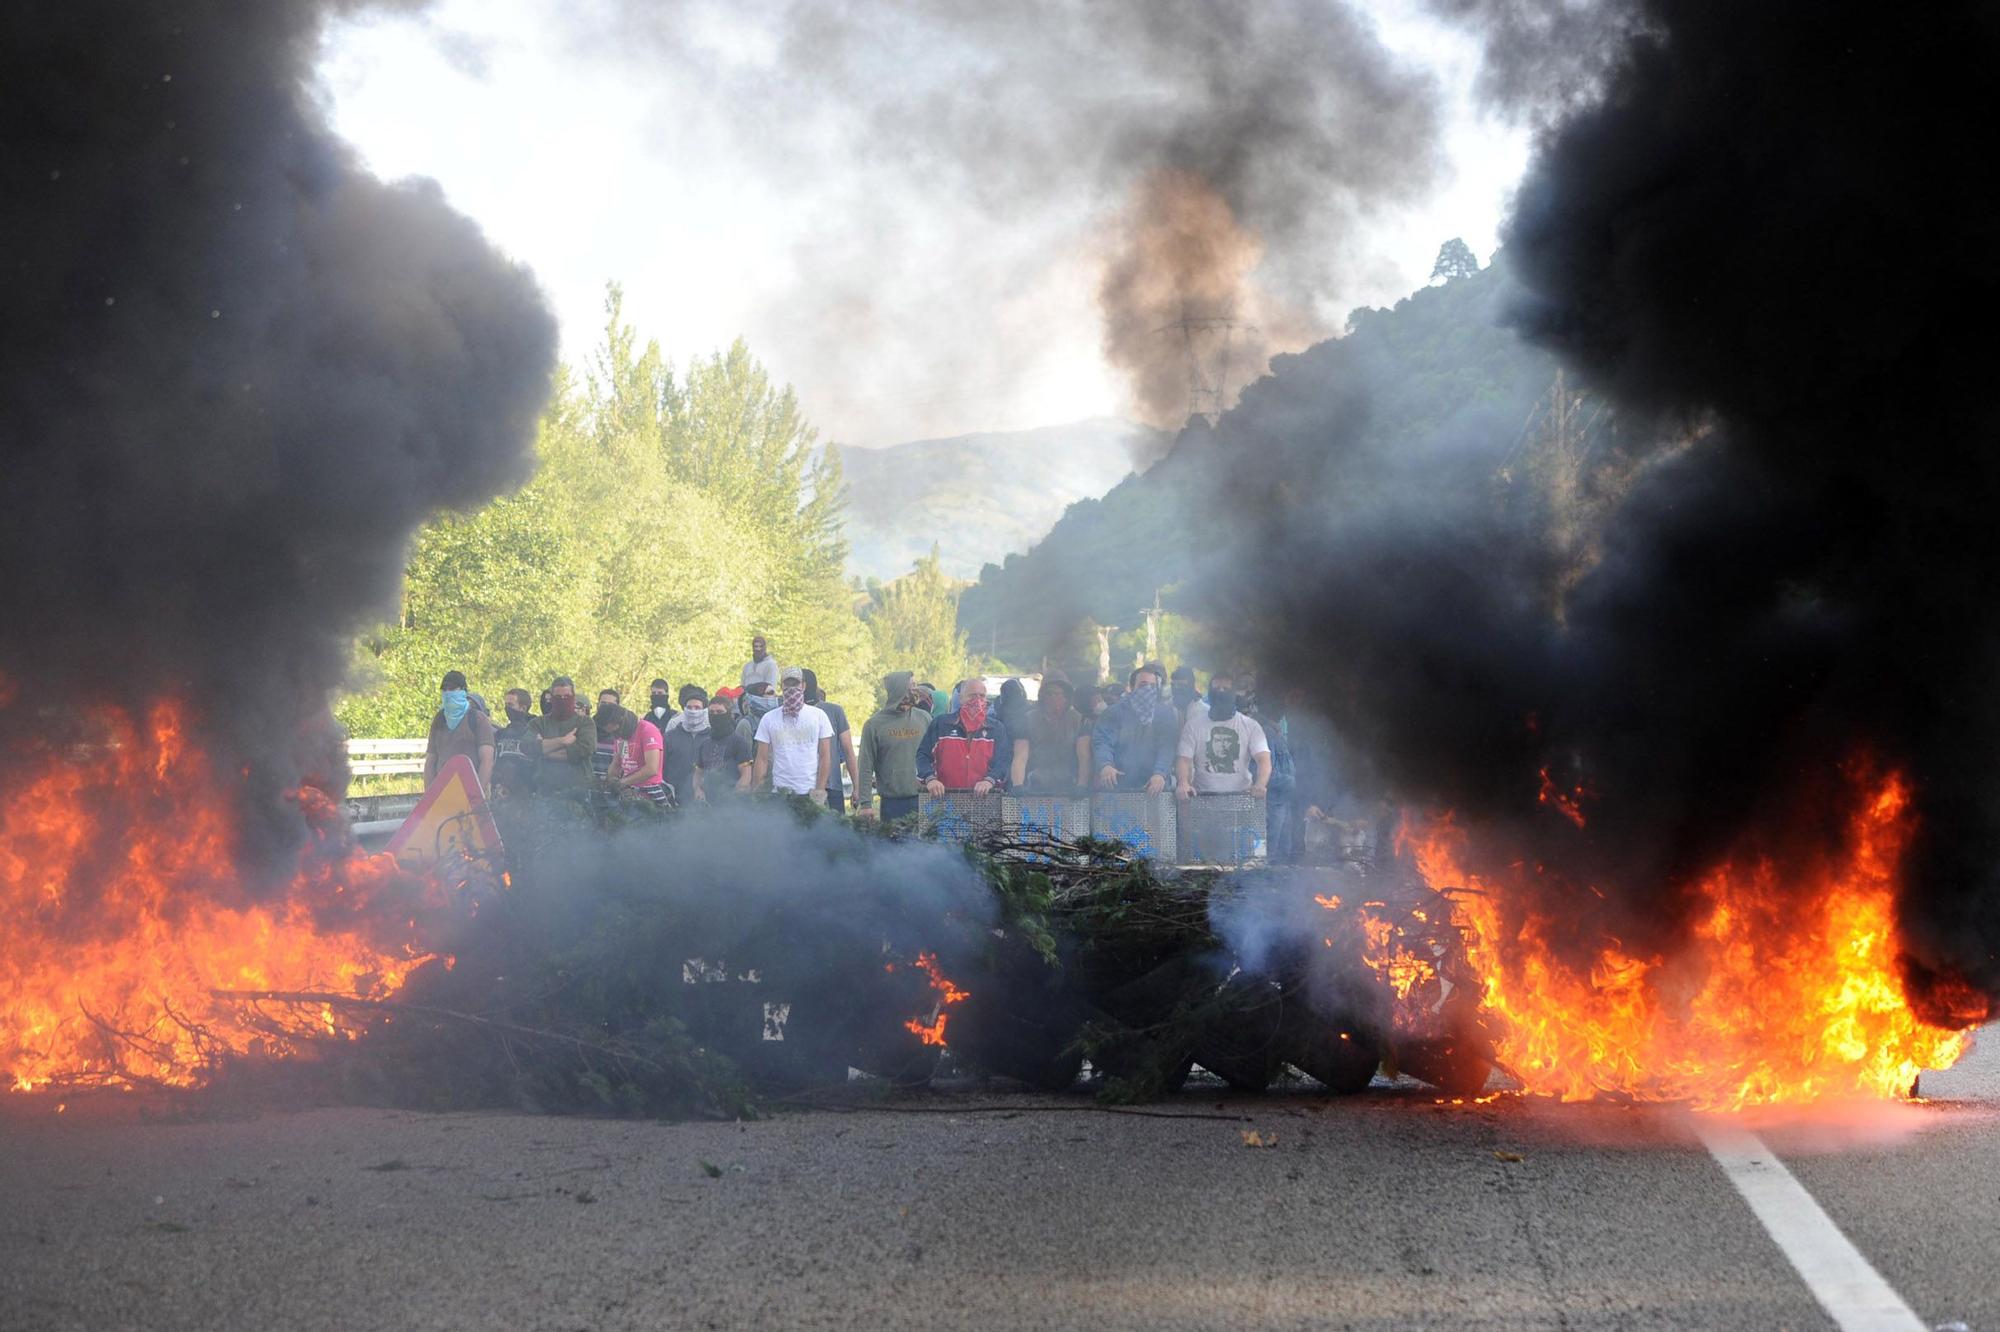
x: 1149, y: 1066
x: 899, y: 1061
x: 880, y: 1039
x: 1039, y: 1051
x: 1458, y: 1064
x: 1342, y: 1059
x: 1015, y: 1017
x: 1240, y: 1044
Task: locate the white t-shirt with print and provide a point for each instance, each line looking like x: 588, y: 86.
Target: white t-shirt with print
x: 794, y: 746
x: 1221, y: 752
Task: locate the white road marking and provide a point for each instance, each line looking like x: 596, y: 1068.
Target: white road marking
x: 1844, y: 1282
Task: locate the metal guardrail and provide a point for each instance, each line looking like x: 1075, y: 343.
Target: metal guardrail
x: 371, y: 757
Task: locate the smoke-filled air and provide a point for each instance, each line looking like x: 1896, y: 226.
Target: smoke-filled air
x: 1715, y: 673
x: 1208, y: 166
x: 240, y: 371
x: 1131, y: 664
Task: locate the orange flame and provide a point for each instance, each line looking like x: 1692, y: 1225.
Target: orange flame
x: 1784, y: 996
x: 124, y: 912
x: 932, y: 1032
x: 1568, y: 803
x: 1391, y: 949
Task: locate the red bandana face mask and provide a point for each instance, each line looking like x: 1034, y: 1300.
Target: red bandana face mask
x: 972, y: 713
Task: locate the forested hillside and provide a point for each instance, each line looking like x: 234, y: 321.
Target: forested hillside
x: 1433, y: 362
x: 677, y: 510
x: 977, y: 497
x: 672, y: 514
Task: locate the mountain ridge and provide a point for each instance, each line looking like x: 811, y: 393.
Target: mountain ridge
x: 903, y: 498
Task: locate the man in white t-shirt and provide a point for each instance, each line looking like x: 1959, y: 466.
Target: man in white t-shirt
x: 794, y: 743
x: 1221, y: 750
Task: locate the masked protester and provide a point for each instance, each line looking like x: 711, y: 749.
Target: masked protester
x: 458, y: 728
x: 843, y: 743
x: 683, y: 741
x: 1013, y: 707
x: 1132, y: 744
x: 888, y: 749
x: 1222, y: 751
x: 569, y: 738
x: 731, y: 697
x: 636, y: 753
x: 1283, y: 814
x: 1051, y: 750
x: 660, y: 708
x: 1181, y: 690
x: 794, y: 743
x: 1198, y: 709
x: 517, y: 750
x: 965, y: 750
x: 757, y: 700
x: 762, y: 668
x: 601, y: 754
x: 723, y: 764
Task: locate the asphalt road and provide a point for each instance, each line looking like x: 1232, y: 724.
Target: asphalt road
x: 980, y: 1207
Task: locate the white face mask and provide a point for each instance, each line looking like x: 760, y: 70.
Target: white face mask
x: 694, y: 717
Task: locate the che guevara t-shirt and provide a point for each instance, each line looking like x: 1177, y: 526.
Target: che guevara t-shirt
x: 1221, y: 751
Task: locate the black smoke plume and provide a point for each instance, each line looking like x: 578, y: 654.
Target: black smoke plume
x: 1542, y: 58
x: 1768, y: 241
x: 1215, y: 158
x: 238, y: 372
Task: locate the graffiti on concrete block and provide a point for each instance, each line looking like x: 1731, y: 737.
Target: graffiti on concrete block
x: 775, y: 1018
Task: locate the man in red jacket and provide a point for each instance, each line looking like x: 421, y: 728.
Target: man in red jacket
x: 967, y: 750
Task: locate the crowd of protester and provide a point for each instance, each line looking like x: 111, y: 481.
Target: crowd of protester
x: 774, y: 730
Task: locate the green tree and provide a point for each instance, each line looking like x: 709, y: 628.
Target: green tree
x: 668, y: 519
x: 1455, y: 260
x: 914, y: 623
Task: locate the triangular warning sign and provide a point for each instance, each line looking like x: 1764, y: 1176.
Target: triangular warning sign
x: 451, y: 819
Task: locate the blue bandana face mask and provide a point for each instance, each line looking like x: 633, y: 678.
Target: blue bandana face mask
x: 1144, y: 699
x: 455, y: 704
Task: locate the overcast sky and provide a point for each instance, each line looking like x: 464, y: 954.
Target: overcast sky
x: 704, y: 157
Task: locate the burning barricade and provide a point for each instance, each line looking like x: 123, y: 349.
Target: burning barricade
x: 678, y: 967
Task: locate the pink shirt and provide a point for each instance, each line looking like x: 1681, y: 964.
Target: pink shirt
x: 632, y: 753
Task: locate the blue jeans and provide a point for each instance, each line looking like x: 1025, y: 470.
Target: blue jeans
x: 898, y: 807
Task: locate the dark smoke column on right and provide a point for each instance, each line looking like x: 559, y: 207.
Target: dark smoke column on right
x: 1769, y: 242
x: 1781, y: 214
